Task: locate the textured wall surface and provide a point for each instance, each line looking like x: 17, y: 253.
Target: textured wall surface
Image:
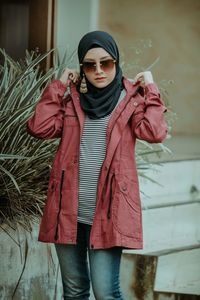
x: 28, y: 269
x: 174, y: 30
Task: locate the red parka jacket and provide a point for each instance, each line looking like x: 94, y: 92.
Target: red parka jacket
x: 117, y: 220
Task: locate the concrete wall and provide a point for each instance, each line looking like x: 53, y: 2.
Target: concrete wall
x: 73, y: 19
x: 173, y: 29
x: 28, y: 269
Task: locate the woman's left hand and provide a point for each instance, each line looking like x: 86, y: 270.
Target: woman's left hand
x: 69, y: 75
x: 144, y: 78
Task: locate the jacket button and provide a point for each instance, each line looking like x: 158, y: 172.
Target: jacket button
x: 135, y: 103
x: 92, y: 246
x: 106, y: 168
x: 124, y: 188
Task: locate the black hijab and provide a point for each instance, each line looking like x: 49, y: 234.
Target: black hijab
x: 99, y: 102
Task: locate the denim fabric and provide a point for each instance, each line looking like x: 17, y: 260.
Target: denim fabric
x: 102, y: 269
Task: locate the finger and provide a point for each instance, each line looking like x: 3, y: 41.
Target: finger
x: 138, y: 76
x: 141, y: 78
x: 76, y: 76
x: 71, y: 75
x: 141, y: 81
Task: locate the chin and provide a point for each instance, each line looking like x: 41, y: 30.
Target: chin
x: 100, y: 85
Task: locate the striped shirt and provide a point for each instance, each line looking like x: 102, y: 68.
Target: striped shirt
x: 92, y: 155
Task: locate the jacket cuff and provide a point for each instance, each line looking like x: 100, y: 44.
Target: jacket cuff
x: 57, y: 87
x: 152, y: 87
x: 58, y: 83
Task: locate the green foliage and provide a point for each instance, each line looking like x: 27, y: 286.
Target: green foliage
x: 24, y: 161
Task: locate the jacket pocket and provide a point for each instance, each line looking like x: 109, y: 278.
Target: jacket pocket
x: 126, y: 208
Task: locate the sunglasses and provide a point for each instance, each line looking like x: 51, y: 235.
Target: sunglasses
x: 105, y: 65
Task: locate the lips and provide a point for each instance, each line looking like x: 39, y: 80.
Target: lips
x: 100, y: 78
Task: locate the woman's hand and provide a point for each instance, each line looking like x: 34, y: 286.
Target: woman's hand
x: 68, y: 76
x: 144, y: 78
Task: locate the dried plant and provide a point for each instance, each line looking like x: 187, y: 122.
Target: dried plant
x: 147, y: 153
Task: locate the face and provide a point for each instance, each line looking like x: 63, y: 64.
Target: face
x: 99, y: 67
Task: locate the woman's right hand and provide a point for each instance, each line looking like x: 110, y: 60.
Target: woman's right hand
x: 69, y: 75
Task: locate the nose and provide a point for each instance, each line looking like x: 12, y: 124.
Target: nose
x: 98, y: 68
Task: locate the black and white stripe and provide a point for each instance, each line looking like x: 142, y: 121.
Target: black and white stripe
x: 92, y: 155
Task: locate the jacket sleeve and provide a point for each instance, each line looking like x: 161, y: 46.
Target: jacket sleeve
x: 148, y: 122
x: 47, y: 121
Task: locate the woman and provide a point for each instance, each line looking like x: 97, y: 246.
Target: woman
x: 93, y: 209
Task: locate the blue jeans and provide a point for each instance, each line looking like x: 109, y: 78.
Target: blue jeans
x: 102, y: 270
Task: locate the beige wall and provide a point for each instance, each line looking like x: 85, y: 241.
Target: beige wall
x: 173, y: 26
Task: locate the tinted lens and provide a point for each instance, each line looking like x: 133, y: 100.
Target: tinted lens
x: 106, y: 65
x: 89, y: 66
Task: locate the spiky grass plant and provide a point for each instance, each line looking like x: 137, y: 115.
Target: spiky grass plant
x: 24, y: 161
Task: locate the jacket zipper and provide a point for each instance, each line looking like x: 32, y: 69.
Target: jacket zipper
x: 110, y: 200
x: 60, y: 204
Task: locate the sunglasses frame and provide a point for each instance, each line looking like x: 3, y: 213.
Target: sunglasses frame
x: 94, y: 65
